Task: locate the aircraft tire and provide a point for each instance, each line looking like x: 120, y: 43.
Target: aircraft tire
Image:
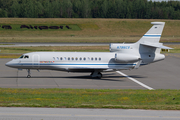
x: 28, y: 76
x: 99, y: 75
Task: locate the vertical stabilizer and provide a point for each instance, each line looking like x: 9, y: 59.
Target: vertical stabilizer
x: 154, y: 33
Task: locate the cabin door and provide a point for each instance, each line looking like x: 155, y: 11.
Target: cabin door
x: 35, y: 61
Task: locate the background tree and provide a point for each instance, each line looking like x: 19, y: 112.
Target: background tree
x: 138, y: 9
x: 105, y: 8
x: 86, y: 9
x: 67, y: 6
x: 38, y: 9
x: 15, y: 9
x: 77, y: 7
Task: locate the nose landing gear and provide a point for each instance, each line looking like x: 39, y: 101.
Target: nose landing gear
x: 29, y: 73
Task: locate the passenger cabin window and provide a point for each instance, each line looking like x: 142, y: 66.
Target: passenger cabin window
x: 72, y: 58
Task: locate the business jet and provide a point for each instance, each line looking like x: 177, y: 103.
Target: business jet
x: 121, y: 56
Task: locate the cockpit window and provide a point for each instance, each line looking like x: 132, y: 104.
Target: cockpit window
x: 21, y: 56
x: 26, y: 56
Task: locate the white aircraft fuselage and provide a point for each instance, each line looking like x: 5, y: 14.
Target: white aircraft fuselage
x: 70, y: 61
x: 120, y: 57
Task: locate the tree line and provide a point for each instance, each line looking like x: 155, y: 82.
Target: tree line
x: 134, y: 9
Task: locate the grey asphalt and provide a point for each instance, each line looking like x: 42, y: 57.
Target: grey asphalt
x: 160, y: 75
x: 84, y: 114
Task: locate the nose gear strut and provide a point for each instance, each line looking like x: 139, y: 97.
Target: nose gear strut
x: 29, y: 73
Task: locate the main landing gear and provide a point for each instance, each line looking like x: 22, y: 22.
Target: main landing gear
x: 96, y: 74
x: 29, y: 73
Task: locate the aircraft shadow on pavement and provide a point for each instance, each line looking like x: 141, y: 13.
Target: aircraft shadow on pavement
x: 106, y: 77
x: 137, y: 76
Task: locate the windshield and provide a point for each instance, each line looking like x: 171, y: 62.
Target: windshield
x: 26, y: 56
x: 21, y: 56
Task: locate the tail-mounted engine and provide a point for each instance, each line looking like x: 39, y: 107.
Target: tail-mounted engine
x: 126, y: 58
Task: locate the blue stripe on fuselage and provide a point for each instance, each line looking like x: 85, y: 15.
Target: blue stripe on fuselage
x: 152, y: 35
x: 70, y: 64
x: 74, y: 64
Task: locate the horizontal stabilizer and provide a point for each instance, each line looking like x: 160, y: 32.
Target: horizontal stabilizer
x: 156, y: 45
x: 165, y: 47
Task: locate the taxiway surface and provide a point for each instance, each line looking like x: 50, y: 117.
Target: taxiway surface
x: 160, y: 75
x: 84, y: 114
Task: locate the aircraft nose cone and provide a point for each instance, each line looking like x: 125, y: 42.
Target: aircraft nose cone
x: 13, y: 63
x: 8, y: 64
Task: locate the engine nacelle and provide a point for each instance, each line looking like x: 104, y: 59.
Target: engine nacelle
x: 126, y: 58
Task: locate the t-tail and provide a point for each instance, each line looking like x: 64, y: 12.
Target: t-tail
x: 152, y: 37
x: 144, y: 51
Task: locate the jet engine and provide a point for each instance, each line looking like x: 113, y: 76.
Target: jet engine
x: 126, y: 58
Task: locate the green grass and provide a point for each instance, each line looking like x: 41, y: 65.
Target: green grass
x: 88, y: 98
x: 176, y: 49
x: 86, y: 30
x: 6, y: 44
x: 16, y: 27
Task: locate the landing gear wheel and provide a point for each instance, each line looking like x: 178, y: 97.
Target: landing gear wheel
x: 99, y: 75
x: 96, y: 75
x: 28, y: 76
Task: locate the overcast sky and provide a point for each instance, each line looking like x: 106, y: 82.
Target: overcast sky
x: 164, y: 0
